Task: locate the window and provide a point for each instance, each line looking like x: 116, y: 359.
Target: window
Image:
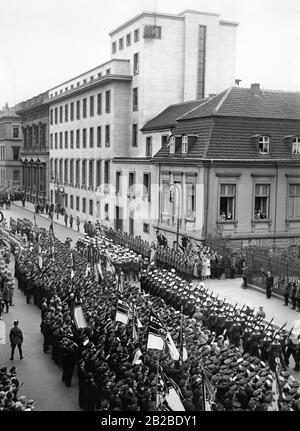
x: 91, y: 78
x: 71, y: 201
x: 60, y: 140
x: 172, y: 144
x: 201, y: 62
x: 72, y: 139
x: 72, y: 111
x: 149, y: 146
x: 121, y: 43
x: 51, y: 116
x: 152, y: 31
x: 55, y: 115
x: 84, y: 81
x: 184, y: 144
x: 118, y: 182
x: 134, y: 135
x: 51, y: 141
x: 114, y: 47
x: 107, y: 135
x: 91, y: 137
x: 136, y: 63
x: 99, y: 132
x: 107, y: 71
x: 107, y: 101
x: 66, y: 139
x: 66, y: 200
x: 131, y: 183
x: 84, y: 108
x: 66, y: 113
x: 16, y: 151
x: 77, y: 172
x: 78, y: 84
x: 16, y: 177
x: 91, y: 106
x: 147, y: 186
x: 91, y: 207
x: 106, y: 172
x: 78, y: 110
x: 83, y: 138
x: 71, y: 171
x: 263, y: 144
x: 78, y: 138
x: 135, y: 99
x: 99, y: 74
x: 146, y: 228
x: 60, y: 170
x: 137, y: 35
x: 227, y: 201
x: 16, y: 132
x: 51, y: 168
x: 60, y: 114
x: 66, y: 173
x: 296, y: 146
x: 55, y: 140
x: 55, y: 169
x: 83, y: 177
x: 98, y: 173
x: 164, y: 140
x: 83, y: 205
x: 106, y: 214
x: 261, y: 203
x: 128, y: 39
x: 91, y: 173
x: 191, y: 200
x: 294, y: 201
x: 77, y: 203
x: 99, y: 103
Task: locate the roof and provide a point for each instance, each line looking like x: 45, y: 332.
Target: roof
x: 225, y: 125
x: 251, y: 102
x: 167, y: 118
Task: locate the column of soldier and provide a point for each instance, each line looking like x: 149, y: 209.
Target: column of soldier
x: 10, y: 399
x: 238, y: 352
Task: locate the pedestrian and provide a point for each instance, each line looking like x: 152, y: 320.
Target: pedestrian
x: 71, y: 221
x: 23, y: 200
x: 298, y: 296
x: 286, y: 290
x: 1, y: 305
x: 47, y: 208
x: 293, y: 295
x: 5, y: 296
x: 245, y: 272
x: 78, y: 223
x: 261, y: 314
x: 269, y: 283
x: 16, y: 339
x: 232, y: 267
x: 66, y: 219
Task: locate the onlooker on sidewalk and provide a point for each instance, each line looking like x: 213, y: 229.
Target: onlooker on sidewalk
x: 261, y: 313
x: 293, y: 295
x: 66, y: 219
x: 286, y: 290
x: 5, y: 296
x: 78, y: 223
x: 71, y: 221
x: 16, y: 339
x: 245, y: 275
x: 47, y: 208
x: 1, y: 305
x: 23, y: 200
x: 298, y: 296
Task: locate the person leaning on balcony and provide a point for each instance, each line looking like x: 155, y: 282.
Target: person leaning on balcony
x: 293, y: 295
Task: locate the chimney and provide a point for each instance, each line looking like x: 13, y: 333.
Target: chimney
x: 256, y: 88
x: 237, y: 82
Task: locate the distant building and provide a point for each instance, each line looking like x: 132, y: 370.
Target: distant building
x: 10, y: 147
x: 34, y: 114
x: 233, y: 163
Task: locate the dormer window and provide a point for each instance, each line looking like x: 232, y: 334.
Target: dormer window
x: 263, y: 144
x: 296, y: 145
x: 172, y: 144
x: 184, y: 144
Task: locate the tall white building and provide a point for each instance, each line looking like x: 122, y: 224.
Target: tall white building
x: 96, y: 118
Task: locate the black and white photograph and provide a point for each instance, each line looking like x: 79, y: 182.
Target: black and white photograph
x: 149, y: 209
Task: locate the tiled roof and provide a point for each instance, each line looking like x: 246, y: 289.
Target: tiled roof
x: 248, y: 102
x: 167, y: 118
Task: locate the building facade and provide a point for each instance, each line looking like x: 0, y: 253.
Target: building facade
x: 100, y: 161
x: 34, y: 115
x: 233, y: 164
x: 10, y: 147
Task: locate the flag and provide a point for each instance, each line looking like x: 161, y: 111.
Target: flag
x: 172, y: 400
x: 137, y: 353
x: 122, y: 312
x: 72, y: 265
x: 40, y: 261
x: 275, y: 392
x: 34, y: 218
x: 155, y: 338
x: 174, y: 353
x: 209, y: 387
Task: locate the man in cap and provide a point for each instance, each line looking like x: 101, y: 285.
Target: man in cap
x: 269, y: 283
x: 16, y: 339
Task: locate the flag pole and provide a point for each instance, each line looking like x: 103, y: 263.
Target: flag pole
x: 181, y: 336
x: 203, y: 390
x: 156, y: 385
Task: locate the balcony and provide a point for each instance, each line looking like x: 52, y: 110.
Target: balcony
x: 34, y: 150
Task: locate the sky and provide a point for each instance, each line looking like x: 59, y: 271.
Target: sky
x: 46, y: 42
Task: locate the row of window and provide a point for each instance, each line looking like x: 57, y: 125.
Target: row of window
x: 136, y: 38
x: 84, y: 82
x: 79, y: 138
x: 67, y: 112
x: 264, y: 145
x: 16, y: 153
x: 227, y: 202
x: 63, y: 170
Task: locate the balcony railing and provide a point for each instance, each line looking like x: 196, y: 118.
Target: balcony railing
x: 34, y: 150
